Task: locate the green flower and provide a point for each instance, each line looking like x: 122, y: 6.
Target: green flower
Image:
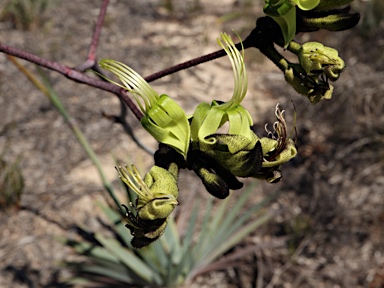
x: 317, y: 59
x: 284, y: 13
x: 163, y: 118
x: 156, y: 195
x: 156, y: 199
x: 207, y: 119
x: 218, y: 158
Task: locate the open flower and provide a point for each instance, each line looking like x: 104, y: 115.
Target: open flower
x: 284, y: 13
x: 207, y: 119
x: 156, y: 199
x: 163, y: 118
x: 218, y: 158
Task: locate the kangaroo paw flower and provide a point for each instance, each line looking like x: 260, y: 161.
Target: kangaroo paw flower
x: 317, y: 59
x: 207, y: 119
x: 156, y: 199
x: 236, y: 151
x: 163, y: 118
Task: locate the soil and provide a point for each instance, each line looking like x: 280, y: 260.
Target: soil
x: 330, y: 230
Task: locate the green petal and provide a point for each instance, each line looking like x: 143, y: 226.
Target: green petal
x: 163, y: 135
x: 287, y: 23
x: 167, y: 123
x: 198, y: 119
x: 212, y: 122
x: 240, y: 121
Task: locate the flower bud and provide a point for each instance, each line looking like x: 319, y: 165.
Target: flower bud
x: 317, y: 59
x: 156, y: 199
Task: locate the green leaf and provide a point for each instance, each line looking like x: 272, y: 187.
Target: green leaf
x: 129, y: 259
x: 108, y: 271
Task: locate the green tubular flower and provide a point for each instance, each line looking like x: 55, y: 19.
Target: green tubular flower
x: 163, y: 118
x: 156, y: 199
x: 157, y: 194
x: 207, y: 119
x: 284, y: 13
x: 218, y: 158
x: 317, y: 59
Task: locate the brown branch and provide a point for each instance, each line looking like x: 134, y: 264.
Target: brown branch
x: 185, y: 65
x: 73, y: 75
x: 91, y: 59
x: 253, y: 40
x: 193, y: 62
x: 91, y: 63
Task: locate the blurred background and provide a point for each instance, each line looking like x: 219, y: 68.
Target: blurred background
x: 330, y: 230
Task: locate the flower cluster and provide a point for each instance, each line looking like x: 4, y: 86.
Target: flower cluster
x: 218, y: 158
x: 317, y: 64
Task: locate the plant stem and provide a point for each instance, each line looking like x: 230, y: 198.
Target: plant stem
x: 91, y: 59
x: 73, y: 75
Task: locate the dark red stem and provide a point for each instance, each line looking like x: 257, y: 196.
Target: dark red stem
x: 91, y: 58
x: 73, y: 75
x: 191, y: 63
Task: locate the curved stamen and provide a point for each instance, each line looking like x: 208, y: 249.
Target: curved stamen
x: 138, y: 185
x: 132, y: 81
x: 238, y: 66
